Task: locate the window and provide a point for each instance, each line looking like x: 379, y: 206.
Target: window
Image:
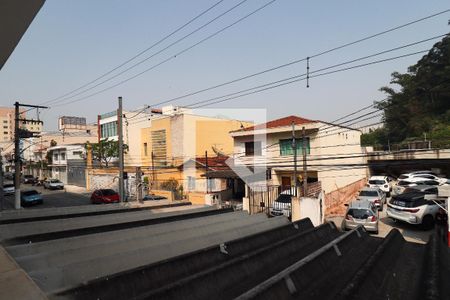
x: 108, y: 129
x: 286, y: 147
x: 253, y: 149
x: 191, y: 183
x: 145, y: 149
x: 5, y: 121
x: 77, y: 153
x: 5, y: 132
x: 55, y: 156
x: 5, y: 127
x: 63, y: 156
x: 211, y: 184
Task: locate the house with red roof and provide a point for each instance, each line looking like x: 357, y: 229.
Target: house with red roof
x: 334, y: 156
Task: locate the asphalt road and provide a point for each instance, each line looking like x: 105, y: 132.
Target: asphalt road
x: 56, y: 198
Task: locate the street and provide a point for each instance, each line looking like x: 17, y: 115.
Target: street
x: 70, y: 196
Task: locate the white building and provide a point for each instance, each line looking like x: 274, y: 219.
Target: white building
x: 68, y: 164
x: 330, y: 149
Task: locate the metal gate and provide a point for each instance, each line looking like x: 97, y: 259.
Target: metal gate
x: 76, y: 174
x: 273, y: 200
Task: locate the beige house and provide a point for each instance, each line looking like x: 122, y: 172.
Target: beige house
x: 330, y: 149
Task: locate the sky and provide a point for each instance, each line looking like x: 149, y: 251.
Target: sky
x: 71, y: 43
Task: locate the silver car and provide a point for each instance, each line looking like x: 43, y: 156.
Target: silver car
x: 374, y: 195
x: 361, y: 212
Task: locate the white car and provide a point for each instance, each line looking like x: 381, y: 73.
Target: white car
x: 384, y: 183
x: 282, y: 205
x: 413, y: 208
x: 403, y: 184
x: 8, y: 189
x: 421, y: 175
x: 53, y: 184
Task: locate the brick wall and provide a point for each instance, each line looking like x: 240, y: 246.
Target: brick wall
x: 334, y: 201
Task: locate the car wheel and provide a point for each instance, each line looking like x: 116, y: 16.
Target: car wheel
x: 428, y: 222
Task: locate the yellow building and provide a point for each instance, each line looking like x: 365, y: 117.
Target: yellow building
x: 7, y: 123
x: 172, y: 144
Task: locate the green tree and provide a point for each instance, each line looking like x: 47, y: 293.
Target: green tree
x: 421, y: 104
x: 105, y: 150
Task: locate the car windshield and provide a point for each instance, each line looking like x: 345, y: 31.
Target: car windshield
x: 359, y: 213
x: 30, y: 193
x: 8, y: 185
x: 108, y: 192
x: 55, y: 181
x: 377, y: 181
x: 28, y: 176
x: 368, y: 193
x: 284, y: 198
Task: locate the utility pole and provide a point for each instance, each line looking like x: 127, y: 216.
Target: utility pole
x: 121, y: 167
x: 305, y: 168
x: 206, y: 171
x: 2, y: 195
x: 294, y: 149
x: 16, y: 157
x: 17, y: 162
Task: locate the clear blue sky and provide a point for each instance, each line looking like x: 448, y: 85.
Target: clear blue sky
x: 72, y: 42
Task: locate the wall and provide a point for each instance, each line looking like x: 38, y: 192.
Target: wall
x: 334, y: 201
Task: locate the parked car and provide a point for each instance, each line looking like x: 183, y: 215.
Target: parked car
x: 282, y: 205
x: 400, y: 187
x: 28, y: 179
x: 105, y: 196
x: 53, y: 184
x: 30, y: 197
x: 9, y: 176
x: 427, y: 189
x: 421, y: 176
x: 361, y: 212
x: 8, y: 189
x: 384, y: 183
x: 374, y: 195
x: 413, y: 208
x: 153, y: 197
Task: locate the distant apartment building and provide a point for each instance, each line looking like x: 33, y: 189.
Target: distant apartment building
x: 7, y: 123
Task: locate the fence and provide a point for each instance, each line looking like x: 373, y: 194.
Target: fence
x: 335, y: 200
x: 268, y: 199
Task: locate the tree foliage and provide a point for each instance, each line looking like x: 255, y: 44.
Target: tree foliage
x: 105, y: 150
x: 421, y: 104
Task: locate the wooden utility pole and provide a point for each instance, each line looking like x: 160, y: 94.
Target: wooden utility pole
x: 294, y: 148
x: 17, y: 161
x: 305, y: 167
x: 121, y: 166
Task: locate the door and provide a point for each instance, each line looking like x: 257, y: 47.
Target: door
x: 285, y: 183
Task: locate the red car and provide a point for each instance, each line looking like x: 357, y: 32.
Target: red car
x: 105, y: 196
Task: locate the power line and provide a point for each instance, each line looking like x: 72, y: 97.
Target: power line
x: 173, y: 56
x: 158, y: 52
x: 141, y: 52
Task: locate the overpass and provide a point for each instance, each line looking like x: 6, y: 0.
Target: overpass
x: 397, y: 162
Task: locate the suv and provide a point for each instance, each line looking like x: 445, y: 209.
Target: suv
x: 282, y: 205
x: 422, y: 175
x: 374, y: 195
x: 413, y: 208
x: 53, y: 184
x: 384, y: 183
x: 361, y: 212
x: 400, y: 187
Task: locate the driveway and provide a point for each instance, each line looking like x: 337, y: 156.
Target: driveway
x: 410, y: 232
x: 70, y: 196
